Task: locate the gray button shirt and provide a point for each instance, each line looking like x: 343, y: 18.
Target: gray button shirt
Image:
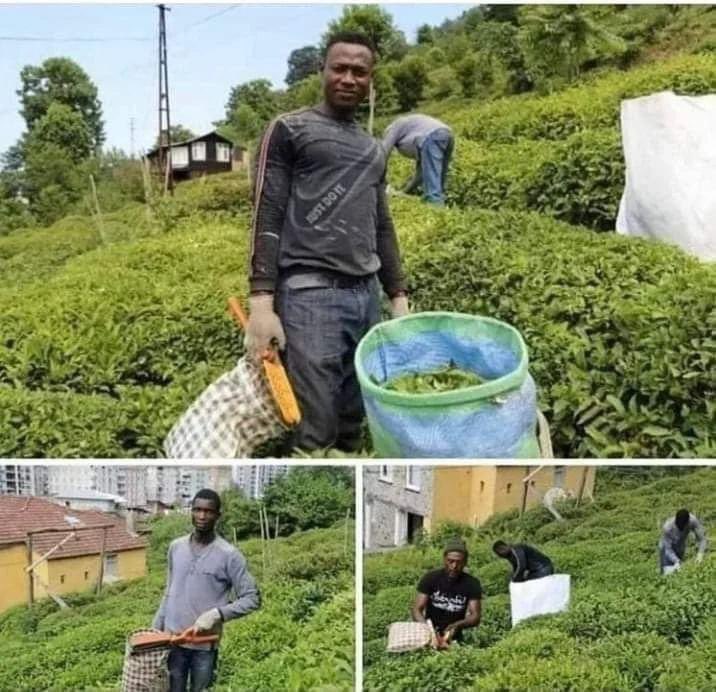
x: 673, y: 541
x: 408, y: 132
x: 200, y: 578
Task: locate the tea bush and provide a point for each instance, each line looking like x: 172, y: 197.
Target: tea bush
x: 627, y: 627
x: 591, y: 105
x: 83, y: 647
x: 101, y: 356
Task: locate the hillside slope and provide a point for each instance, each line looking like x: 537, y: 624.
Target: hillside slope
x: 282, y: 646
x: 627, y: 628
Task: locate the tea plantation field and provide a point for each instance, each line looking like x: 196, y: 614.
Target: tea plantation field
x: 627, y: 627
x: 109, y: 331
x: 302, y: 638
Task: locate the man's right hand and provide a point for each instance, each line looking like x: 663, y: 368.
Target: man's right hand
x: 264, y: 328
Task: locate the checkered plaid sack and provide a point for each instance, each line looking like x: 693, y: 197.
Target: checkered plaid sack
x: 409, y: 636
x: 145, y: 671
x: 231, y: 418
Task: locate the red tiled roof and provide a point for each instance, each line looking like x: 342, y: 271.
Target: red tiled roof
x: 19, y: 514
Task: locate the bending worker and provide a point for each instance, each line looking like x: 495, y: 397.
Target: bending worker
x: 527, y: 562
x: 672, y: 544
x: 449, y: 597
x: 322, y: 245
x: 430, y: 143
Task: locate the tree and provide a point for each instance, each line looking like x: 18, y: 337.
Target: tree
x: 555, y: 40
x: 178, y: 133
x: 302, y: 63
x: 61, y: 80
x: 307, y: 92
x: 239, y: 514
x: 424, y: 34
x: 249, y: 109
x: 466, y: 72
x: 377, y: 24
x: 258, y: 94
x: 310, y: 497
x: 409, y: 79
x: 55, y: 151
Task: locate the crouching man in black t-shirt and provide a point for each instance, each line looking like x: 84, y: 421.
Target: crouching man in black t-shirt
x: 449, y: 597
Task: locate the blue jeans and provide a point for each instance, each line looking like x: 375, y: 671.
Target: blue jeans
x: 323, y: 325
x: 435, y: 154
x: 199, y: 664
x: 665, y: 561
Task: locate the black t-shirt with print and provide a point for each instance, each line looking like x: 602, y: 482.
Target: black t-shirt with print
x: 448, y: 598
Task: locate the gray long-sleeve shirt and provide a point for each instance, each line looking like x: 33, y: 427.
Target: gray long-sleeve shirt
x: 200, y: 578
x: 320, y: 204
x: 408, y: 132
x: 673, y: 541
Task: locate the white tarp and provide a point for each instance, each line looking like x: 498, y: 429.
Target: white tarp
x: 539, y: 597
x: 670, y: 153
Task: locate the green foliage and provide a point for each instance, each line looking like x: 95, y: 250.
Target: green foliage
x: 104, y: 344
x: 623, y: 366
x: 178, y: 133
x: 627, y: 628
x: 302, y: 63
x: 249, y: 109
x: 410, y: 77
x: 374, y: 22
x: 309, y: 497
x: 590, y: 105
x: 83, y: 647
x: 60, y: 81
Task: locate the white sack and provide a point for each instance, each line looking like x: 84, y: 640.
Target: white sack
x: 670, y: 153
x: 539, y: 597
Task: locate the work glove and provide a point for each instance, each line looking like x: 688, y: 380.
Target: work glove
x: 207, y: 621
x: 699, y: 557
x: 399, y: 306
x: 264, y: 329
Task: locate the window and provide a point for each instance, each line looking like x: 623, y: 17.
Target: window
x: 482, y: 486
x: 62, y: 579
x: 509, y: 487
x: 401, y: 527
x: 110, y: 567
x: 180, y: 157
x: 198, y: 151
x: 367, y: 518
x: 412, y: 477
x: 86, y: 576
x: 223, y: 152
x: 559, y: 474
x: 385, y: 474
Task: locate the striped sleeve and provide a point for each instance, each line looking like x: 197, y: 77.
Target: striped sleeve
x: 272, y: 186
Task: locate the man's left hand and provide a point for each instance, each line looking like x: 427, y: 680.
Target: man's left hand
x: 399, y: 306
x: 699, y: 557
x: 207, y: 621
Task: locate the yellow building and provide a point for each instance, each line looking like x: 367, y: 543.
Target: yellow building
x: 472, y: 494
x: 71, y: 547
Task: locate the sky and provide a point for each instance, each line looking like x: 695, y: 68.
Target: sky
x: 210, y: 48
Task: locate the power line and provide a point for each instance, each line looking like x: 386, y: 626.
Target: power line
x: 73, y: 39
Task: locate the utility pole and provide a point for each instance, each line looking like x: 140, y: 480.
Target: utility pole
x: 165, y: 137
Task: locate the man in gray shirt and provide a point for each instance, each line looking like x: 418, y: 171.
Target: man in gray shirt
x: 202, y: 572
x: 672, y: 544
x: 322, y: 246
x: 430, y: 142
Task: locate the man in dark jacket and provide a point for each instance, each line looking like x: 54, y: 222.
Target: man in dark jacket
x: 322, y: 246
x: 527, y: 562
